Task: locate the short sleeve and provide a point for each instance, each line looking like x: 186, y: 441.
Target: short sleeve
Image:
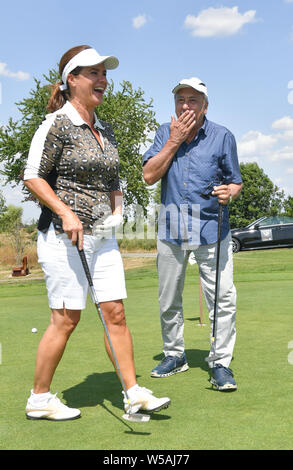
x: 230, y: 164
x: 160, y: 139
x: 46, y: 147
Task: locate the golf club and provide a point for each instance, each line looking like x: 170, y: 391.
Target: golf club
x: 200, y: 304
x: 192, y: 261
x: 129, y: 416
x: 213, y: 357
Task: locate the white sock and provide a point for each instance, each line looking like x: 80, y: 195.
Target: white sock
x: 40, y: 398
x: 132, y: 390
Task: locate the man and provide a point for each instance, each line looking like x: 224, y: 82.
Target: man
x: 198, y: 164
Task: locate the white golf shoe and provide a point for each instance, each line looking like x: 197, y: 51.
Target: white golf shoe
x: 50, y: 408
x: 142, y: 399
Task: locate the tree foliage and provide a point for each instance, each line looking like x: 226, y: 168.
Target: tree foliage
x: 132, y: 119
x: 10, y: 219
x: 288, y: 206
x: 2, y: 204
x: 259, y: 197
x: 10, y: 222
x: 131, y: 116
x: 16, y: 136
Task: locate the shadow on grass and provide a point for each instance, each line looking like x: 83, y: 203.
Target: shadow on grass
x: 197, y: 319
x: 95, y: 389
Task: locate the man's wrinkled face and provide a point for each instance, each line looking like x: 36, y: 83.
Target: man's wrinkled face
x: 188, y: 99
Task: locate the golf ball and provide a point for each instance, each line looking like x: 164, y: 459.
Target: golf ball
x: 34, y: 330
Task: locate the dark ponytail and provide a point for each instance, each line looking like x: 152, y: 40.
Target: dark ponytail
x: 57, y: 98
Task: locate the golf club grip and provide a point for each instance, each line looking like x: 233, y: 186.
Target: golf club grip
x: 85, y: 266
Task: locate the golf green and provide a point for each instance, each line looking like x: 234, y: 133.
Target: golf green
x: 258, y: 416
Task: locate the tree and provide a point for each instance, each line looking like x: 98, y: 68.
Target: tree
x: 288, y: 206
x: 10, y: 222
x: 132, y: 119
x: 16, y: 136
x: 127, y: 111
x: 2, y: 204
x: 259, y: 197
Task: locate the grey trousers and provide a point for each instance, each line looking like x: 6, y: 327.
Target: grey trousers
x: 171, y: 265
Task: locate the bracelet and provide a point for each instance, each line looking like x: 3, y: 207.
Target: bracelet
x: 230, y: 198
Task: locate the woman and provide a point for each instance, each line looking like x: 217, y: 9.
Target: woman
x: 72, y: 169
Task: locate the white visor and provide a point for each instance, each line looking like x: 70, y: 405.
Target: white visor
x: 87, y: 58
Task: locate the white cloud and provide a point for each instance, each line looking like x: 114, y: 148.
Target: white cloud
x: 18, y: 75
x: 221, y: 21
x: 284, y: 153
x: 254, y: 143
x: 286, y: 135
x: 285, y: 123
x: 250, y: 159
x: 285, y: 126
x: 139, y: 21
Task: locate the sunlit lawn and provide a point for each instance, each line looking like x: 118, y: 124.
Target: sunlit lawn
x: 259, y: 415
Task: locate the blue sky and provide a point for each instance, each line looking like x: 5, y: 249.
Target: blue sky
x: 242, y: 50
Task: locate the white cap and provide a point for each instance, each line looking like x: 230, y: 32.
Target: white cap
x: 194, y: 83
x: 87, y: 58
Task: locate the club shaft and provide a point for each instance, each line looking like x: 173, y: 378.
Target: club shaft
x: 95, y: 300
x: 220, y: 217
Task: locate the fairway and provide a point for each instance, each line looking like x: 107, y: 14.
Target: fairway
x: 259, y: 415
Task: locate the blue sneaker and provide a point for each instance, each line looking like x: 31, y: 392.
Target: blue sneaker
x: 170, y: 365
x: 222, y: 378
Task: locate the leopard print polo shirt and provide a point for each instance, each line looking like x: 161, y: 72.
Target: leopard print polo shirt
x: 65, y: 152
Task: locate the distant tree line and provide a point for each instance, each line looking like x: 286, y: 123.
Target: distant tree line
x: 259, y: 197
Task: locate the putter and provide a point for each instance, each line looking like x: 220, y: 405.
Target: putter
x: 213, y: 356
x: 200, y: 304
x: 129, y: 416
x: 192, y: 261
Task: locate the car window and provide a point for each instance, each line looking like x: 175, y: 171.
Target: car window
x: 252, y: 224
x: 286, y: 220
x: 269, y: 221
x: 278, y: 220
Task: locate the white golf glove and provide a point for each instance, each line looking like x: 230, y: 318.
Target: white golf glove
x: 105, y: 229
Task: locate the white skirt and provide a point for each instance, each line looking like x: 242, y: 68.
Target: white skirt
x: 66, y: 283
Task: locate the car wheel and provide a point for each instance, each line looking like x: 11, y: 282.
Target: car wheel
x: 235, y: 245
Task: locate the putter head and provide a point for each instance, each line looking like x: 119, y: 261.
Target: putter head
x: 136, y: 417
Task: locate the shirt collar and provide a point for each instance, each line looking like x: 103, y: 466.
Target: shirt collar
x: 75, y: 117
x: 203, y: 128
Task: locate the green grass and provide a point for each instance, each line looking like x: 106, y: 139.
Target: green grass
x: 257, y: 416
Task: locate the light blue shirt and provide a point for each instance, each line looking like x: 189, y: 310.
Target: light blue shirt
x: 209, y: 160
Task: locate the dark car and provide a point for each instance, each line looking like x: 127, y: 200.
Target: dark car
x: 266, y: 232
